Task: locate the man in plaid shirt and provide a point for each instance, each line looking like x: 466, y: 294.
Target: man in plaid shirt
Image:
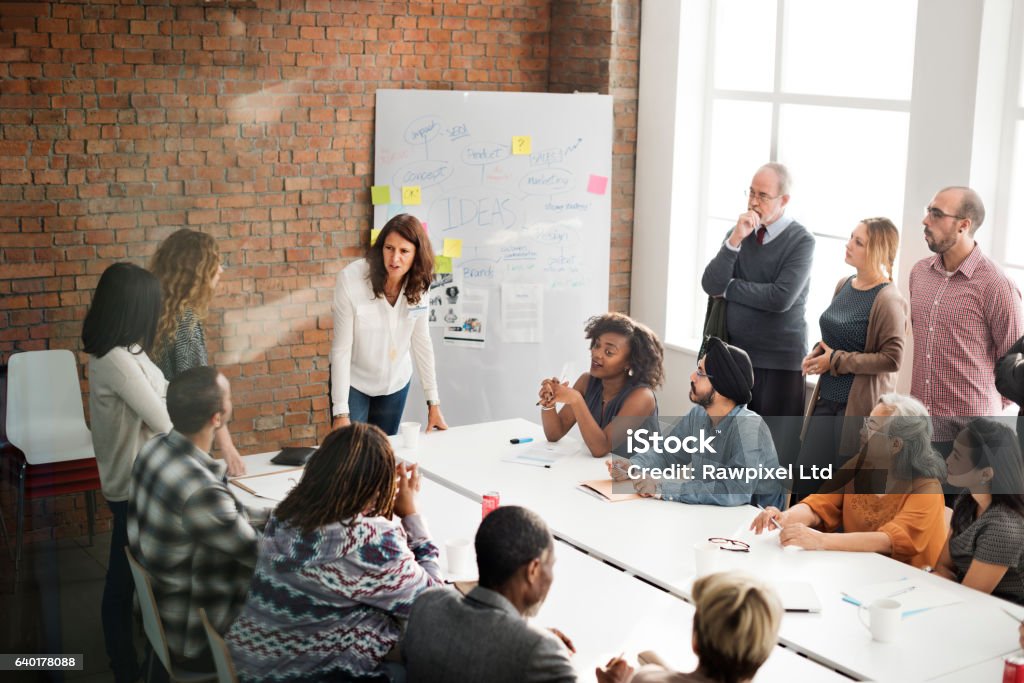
x: 965, y: 313
x: 185, y: 527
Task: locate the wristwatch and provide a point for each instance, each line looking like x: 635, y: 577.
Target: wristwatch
x: 432, y: 402
x: 340, y: 415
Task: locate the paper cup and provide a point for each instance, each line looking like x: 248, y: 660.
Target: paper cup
x: 410, y: 433
x: 705, y: 557
x: 460, y: 557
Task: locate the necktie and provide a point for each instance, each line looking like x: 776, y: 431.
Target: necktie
x: 760, y: 234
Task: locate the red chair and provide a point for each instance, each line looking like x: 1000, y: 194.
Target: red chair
x: 46, y: 446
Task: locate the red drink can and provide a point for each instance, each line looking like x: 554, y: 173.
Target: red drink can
x: 1013, y: 670
x: 491, y: 501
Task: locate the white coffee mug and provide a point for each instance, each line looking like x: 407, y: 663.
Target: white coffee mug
x: 460, y: 557
x: 705, y: 557
x: 410, y: 433
x: 884, y: 619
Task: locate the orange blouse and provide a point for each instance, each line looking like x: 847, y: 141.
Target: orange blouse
x: 914, y: 521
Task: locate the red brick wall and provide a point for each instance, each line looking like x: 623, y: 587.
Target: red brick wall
x: 253, y: 121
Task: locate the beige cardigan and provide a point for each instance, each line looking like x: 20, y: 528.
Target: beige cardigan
x: 875, y: 369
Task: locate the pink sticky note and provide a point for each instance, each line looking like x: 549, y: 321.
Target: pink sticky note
x: 597, y: 185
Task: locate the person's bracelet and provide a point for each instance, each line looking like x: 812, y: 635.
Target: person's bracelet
x: 548, y: 408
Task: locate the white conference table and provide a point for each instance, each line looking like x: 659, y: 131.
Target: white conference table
x: 654, y: 539
x: 603, y: 610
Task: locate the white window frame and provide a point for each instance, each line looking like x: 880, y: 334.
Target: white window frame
x: 956, y: 134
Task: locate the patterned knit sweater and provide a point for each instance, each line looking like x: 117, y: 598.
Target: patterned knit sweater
x: 327, y: 605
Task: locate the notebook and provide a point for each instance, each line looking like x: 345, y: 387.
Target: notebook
x: 797, y: 596
x: 602, y: 489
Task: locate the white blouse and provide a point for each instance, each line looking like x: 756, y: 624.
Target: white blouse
x: 372, y: 341
x: 126, y: 408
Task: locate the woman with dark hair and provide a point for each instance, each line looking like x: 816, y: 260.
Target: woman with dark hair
x: 985, y: 549
x: 335, y: 572
x: 126, y: 406
x: 189, y: 268
x: 861, y: 348
x: 625, y: 368
x: 380, y: 315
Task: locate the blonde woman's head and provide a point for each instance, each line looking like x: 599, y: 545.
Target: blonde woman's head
x: 736, y: 625
x: 188, y: 266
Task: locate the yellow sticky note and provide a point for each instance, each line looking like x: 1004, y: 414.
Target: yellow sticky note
x: 452, y: 248
x: 374, y: 234
x: 442, y: 264
x: 411, y: 195
x: 521, y: 144
x: 380, y: 194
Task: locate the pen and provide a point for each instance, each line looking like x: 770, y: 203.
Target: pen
x: 521, y: 440
x: 1012, y: 615
x: 901, y: 592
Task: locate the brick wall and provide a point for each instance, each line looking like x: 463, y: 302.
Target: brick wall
x: 251, y: 120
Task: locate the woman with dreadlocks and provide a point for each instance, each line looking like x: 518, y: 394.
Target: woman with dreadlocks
x: 342, y: 559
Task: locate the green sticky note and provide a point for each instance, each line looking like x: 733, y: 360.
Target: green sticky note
x: 374, y: 234
x: 380, y: 194
x: 442, y: 264
x: 452, y: 248
x: 411, y: 195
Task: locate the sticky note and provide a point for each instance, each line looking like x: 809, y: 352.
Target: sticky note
x: 380, y: 194
x: 442, y: 264
x: 452, y: 248
x: 411, y: 195
x: 374, y: 234
x: 424, y: 224
x: 597, y: 185
x: 521, y: 144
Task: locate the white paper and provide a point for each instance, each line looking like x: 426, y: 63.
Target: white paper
x: 466, y: 323
x: 444, y: 298
x: 522, y: 313
x: 270, y: 486
x: 912, y: 595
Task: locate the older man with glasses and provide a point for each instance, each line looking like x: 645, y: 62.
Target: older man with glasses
x: 763, y: 271
x: 965, y: 314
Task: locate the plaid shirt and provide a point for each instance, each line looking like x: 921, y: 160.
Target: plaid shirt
x: 963, y: 323
x: 193, y: 537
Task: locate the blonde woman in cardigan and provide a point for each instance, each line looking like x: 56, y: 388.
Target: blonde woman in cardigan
x: 863, y: 334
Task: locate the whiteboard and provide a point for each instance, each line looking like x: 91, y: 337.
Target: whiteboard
x: 541, y: 218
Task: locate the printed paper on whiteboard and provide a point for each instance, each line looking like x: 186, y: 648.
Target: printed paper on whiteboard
x: 465, y: 324
x: 522, y: 313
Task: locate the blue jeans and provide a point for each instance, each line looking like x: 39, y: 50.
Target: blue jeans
x: 116, y: 608
x: 383, y: 411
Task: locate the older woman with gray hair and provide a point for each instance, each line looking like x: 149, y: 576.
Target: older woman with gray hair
x: 890, y: 499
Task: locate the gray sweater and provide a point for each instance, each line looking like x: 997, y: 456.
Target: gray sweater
x: 767, y: 297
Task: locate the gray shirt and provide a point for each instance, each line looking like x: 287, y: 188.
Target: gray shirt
x: 766, y: 286
x: 481, y: 636
x: 996, y: 537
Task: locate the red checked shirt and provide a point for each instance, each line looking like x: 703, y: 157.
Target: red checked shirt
x: 963, y: 323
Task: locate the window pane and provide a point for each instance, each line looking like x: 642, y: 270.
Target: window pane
x: 740, y: 143
x: 847, y: 164
x: 826, y: 270
x: 744, y: 44
x: 1015, y: 237
x: 849, y: 49
x: 1018, y: 276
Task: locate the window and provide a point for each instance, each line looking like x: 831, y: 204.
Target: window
x: 823, y: 87
x: 873, y: 104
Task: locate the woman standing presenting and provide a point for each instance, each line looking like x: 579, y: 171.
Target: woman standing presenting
x: 380, y: 316
x: 126, y: 407
x: 188, y: 266
x: 861, y: 347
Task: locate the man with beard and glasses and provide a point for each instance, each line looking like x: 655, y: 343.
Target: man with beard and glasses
x: 965, y: 314
x: 720, y: 387
x: 484, y: 635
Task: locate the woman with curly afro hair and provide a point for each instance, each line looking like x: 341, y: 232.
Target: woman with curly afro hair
x: 188, y: 266
x: 625, y: 368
